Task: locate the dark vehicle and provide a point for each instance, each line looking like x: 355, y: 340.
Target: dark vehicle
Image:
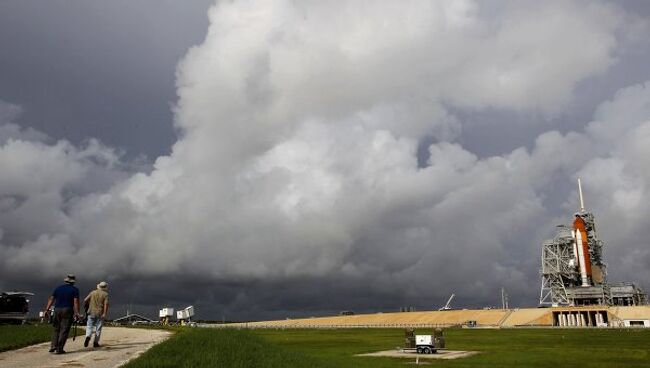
x: 14, y: 306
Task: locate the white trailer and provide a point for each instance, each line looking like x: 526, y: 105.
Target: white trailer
x: 427, y: 344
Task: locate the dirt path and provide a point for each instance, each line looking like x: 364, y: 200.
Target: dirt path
x: 119, y: 345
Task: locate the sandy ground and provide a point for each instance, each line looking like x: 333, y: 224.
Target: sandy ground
x: 441, y: 354
x: 119, y: 345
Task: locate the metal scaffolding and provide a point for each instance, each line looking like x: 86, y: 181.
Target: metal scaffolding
x: 561, y: 277
x: 558, y: 269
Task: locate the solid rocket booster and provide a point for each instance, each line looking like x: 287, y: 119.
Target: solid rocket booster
x: 583, y: 250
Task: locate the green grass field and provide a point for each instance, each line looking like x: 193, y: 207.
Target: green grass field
x: 17, y: 336
x: 220, y: 348
x: 336, y: 348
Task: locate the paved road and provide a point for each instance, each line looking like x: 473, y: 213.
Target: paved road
x: 119, y: 345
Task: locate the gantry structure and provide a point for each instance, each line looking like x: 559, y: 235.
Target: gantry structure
x: 573, y: 269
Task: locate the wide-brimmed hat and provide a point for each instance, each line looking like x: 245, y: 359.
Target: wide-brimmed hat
x: 70, y: 279
x: 102, y: 285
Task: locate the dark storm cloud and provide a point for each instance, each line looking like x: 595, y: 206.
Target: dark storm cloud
x: 98, y: 69
x: 331, y: 156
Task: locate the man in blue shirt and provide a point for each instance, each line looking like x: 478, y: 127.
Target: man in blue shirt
x: 65, y: 299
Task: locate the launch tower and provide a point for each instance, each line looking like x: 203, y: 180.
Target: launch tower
x: 573, y: 271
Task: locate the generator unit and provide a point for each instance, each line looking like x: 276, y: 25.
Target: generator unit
x: 424, y: 344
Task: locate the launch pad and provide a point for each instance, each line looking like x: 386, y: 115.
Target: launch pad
x: 573, y: 270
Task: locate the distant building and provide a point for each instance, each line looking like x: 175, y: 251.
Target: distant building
x: 131, y: 319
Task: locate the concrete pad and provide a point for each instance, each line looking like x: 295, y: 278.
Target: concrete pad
x: 441, y: 354
x: 119, y: 345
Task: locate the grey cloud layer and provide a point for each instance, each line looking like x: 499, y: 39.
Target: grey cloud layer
x: 298, y: 158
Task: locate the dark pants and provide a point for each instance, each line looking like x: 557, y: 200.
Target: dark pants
x: 62, y: 324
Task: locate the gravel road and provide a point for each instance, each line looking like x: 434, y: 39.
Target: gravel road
x: 119, y: 345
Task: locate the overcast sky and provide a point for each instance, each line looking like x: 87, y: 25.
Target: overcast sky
x: 292, y: 158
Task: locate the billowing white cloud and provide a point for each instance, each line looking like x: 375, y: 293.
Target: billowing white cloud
x: 298, y: 154
x: 40, y: 182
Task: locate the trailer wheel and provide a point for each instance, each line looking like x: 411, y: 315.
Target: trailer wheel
x: 419, y: 350
x: 427, y: 350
